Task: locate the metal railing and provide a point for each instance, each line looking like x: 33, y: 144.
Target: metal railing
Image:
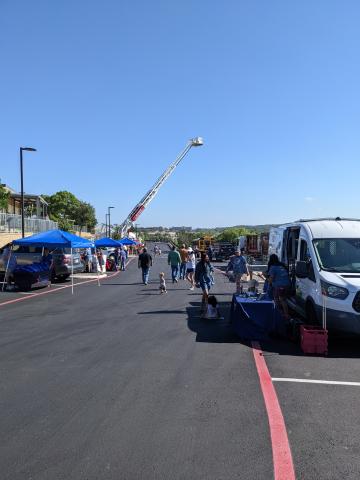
x: 11, y: 223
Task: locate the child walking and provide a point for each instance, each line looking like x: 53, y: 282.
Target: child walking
x: 162, y: 286
x: 212, y: 310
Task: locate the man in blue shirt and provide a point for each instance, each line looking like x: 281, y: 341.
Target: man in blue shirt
x: 237, y: 264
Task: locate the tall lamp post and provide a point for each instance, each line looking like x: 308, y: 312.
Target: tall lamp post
x: 26, y: 149
x: 109, y: 221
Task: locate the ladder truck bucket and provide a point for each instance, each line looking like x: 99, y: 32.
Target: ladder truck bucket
x: 197, y: 142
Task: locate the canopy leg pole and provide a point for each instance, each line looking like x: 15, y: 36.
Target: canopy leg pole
x: 6, y: 270
x: 97, y: 269
x: 72, y: 273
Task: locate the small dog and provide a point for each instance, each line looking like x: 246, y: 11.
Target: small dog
x: 162, y: 286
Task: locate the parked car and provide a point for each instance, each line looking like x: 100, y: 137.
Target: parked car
x: 64, y: 264
x: 62, y: 261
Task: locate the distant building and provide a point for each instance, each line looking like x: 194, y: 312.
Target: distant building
x: 35, y: 205
x: 36, y: 217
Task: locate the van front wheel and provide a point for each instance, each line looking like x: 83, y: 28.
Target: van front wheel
x: 311, y: 316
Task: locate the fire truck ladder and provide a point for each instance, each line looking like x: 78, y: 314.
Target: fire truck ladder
x: 144, y: 202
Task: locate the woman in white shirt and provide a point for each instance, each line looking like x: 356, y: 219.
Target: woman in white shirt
x: 190, y: 267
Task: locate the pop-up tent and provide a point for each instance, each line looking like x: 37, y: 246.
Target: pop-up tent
x: 56, y: 239
x: 127, y: 241
x: 107, y: 242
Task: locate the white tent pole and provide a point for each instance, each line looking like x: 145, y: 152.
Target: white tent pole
x: 97, y: 269
x: 72, y: 272
x: 7, y: 267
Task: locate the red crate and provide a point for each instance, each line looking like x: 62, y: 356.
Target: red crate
x: 314, y: 339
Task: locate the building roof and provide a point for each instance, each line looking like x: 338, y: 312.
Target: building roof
x: 27, y: 196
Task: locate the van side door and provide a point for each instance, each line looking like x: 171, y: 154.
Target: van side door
x: 305, y: 287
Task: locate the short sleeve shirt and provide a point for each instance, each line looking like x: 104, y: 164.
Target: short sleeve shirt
x: 279, y: 275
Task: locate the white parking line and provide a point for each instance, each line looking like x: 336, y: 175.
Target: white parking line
x: 325, y: 382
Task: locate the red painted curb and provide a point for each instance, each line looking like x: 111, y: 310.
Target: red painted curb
x: 282, y: 458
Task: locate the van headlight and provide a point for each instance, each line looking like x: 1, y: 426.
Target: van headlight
x: 333, y: 291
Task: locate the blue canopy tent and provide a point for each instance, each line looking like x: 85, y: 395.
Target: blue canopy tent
x: 127, y: 241
x: 56, y: 239
x: 107, y: 242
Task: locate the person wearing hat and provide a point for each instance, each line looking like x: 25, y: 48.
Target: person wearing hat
x: 238, y: 265
x: 190, y: 267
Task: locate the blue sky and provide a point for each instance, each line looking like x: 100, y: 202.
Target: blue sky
x: 110, y: 92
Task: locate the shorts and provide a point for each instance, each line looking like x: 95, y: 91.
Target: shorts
x: 205, y: 286
x: 281, y: 293
x: 189, y: 270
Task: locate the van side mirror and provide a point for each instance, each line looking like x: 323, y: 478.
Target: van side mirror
x: 302, y: 269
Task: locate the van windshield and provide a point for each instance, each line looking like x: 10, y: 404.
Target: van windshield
x: 338, y: 254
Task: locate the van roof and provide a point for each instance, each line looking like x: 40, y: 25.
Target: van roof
x: 333, y: 228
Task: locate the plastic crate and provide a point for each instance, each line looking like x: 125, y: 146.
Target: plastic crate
x: 314, y: 339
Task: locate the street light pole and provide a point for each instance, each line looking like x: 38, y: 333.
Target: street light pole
x: 27, y: 149
x: 109, y: 221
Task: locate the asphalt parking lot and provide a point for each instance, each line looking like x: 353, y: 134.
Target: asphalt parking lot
x: 118, y: 381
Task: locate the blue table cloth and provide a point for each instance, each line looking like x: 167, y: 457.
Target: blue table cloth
x: 254, y: 319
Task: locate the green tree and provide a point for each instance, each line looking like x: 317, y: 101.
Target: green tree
x: 85, y: 216
x: 232, y: 234
x: 116, y: 235
x: 4, y: 198
x: 66, y: 209
x: 184, y: 237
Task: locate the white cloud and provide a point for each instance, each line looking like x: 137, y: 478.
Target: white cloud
x: 309, y: 199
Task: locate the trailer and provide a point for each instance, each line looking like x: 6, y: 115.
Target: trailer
x: 255, y: 245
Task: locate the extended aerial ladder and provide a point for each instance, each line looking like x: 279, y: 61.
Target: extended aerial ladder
x: 144, y: 202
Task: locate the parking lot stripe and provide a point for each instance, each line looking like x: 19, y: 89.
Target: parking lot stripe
x: 52, y: 290
x: 307, y: 380
x: 282, y: 458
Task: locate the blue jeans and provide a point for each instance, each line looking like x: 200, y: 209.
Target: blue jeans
x: 145, y: 274
x: 174, y: 272
x: 183, y: 270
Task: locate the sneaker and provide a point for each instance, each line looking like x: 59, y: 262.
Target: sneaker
x: 176, y: 280
x: 191, y: 288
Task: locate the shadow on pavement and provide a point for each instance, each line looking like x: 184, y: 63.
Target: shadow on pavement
x: 214, y: 330
x: 119, y: 284
x: 156, y: 312
x: 220, y: 331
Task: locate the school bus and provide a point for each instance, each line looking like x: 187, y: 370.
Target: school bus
x: 202, y: 243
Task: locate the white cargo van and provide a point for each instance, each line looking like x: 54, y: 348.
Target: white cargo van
x: 323, y: 257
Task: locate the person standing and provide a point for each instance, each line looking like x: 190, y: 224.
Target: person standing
x: 117, y: 258
x: 145, y: 262
x: 203, y: 272
x: 174, y: 260
x: 100, y: 258
x: 190, y: 268
x: 279, y: 280
x: 237, y: 264
x: 122, y: 256
x: 184, y: 256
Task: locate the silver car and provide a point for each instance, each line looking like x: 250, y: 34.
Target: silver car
x: 63, y: 262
